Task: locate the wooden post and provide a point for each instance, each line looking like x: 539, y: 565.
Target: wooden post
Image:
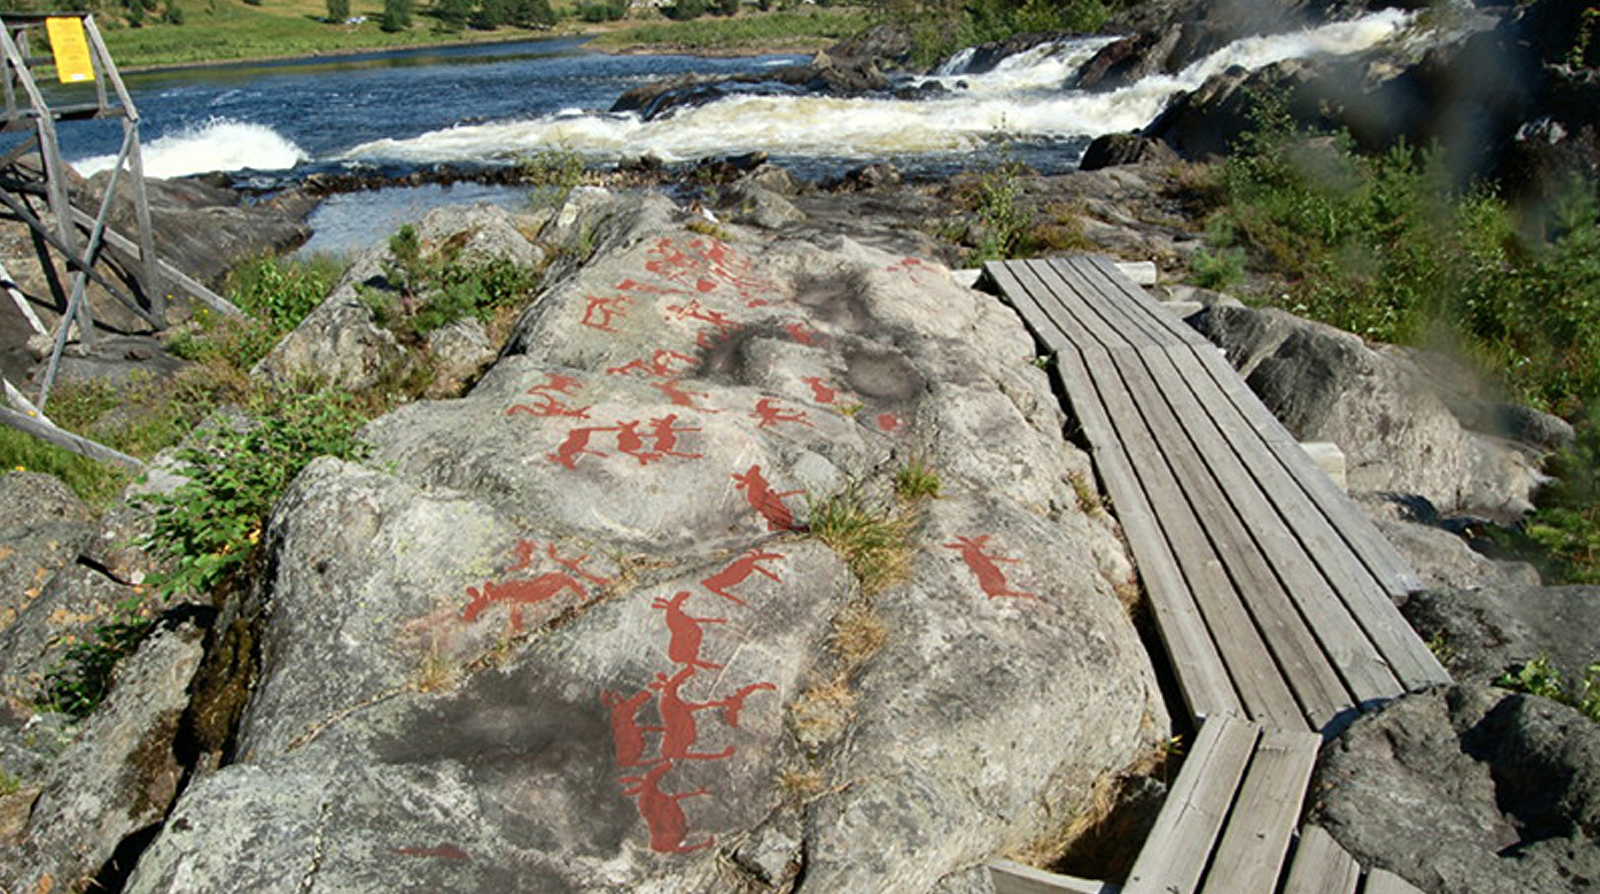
x: 47, y: 431
x: 21, y: 301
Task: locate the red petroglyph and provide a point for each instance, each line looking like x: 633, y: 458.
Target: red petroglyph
x: 762, y: 498
x: 705, y: 285
x: 599, y: 312
x: 659, y: 365
x: 909, y: 266
x: 768, y: 413
x: 694, y: 310
x: 888, y: 422
x: 688, y: 632
x: 681, y: 398
x: 576, y: 444
x: 626, y: 733
x: 982, y: 563
x: 520, y: 593
x: 704, y: 267
x: 444, y: 851
x: 820, y: 392
x: 546, y: 403
x: 677, y: 715
x: 800, y: 333
x: 739, y: 571
x: 631, y: 285
x: 629, y: 442
x: 665, y: 432
x: 661, y: 813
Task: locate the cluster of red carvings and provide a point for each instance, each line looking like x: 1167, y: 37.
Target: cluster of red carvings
x: 677, y: 727
x: 520, y: 593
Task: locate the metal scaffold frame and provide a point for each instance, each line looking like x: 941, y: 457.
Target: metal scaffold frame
x: 76, y: 235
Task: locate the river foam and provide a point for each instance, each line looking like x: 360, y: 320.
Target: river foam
x: 220, y: 144
x: 1024, y: 97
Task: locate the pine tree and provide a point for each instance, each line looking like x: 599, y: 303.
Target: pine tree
x: 338, y: 10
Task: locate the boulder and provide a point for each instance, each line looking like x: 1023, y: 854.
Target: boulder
x: 342, y: 342
x: 886, y: 44
x: 116, y: 780
x: 1467, y: 790
x: 1491, y: 631
x: 748, y: 203
x: 583, y: 628
x: 43, y: 524
x: 1397, y: 434
x: 1111, y: 150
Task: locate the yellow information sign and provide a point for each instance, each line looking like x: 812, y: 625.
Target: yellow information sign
x: 71, y: 48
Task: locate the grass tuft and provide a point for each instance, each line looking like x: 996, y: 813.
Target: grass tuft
x: 873, y: 541
x: 916, y: 481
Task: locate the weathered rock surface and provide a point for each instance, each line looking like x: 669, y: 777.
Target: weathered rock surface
x: 575, y: 635
x: 1397, y: 434
x: 1491, y: 631
x: 117, y: 778
x: 43, y: 524
x: 1468, y: 790
x: 342, y: 343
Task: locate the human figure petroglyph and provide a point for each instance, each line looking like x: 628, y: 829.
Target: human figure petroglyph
x: 767, y: 413
x: 688, y: 632
x: 739, y: 571
x: 983, y: 565
x: 665, y: 432
x: 763, y: 499
x: 661, y: 812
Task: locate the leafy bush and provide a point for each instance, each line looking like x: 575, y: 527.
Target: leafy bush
x: 211, y: 524
x: 437, y: 286
x: 603, y: 11
x: 553, y: 173
x: 684, y: 10
x: 1538, y: 677
x: 82, y: 681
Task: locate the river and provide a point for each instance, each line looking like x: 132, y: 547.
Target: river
x: 272, y: 123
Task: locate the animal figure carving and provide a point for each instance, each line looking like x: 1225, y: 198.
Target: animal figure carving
x: 546, y: 403
x: 659, y: 365
x: 677, y: 715
x: 763, y: 499
x: 798, y: 331
x: 576, y: 444
x: 820, y: 392
x: 983, y: 565
x: 739, y: 572
x: 665, y: 433
x: 694, y: 310
x: 599, y: 312
x: 661, y: 812
x: 520, y: 593
x: 626, y: 733
x: 687, y: 632
x: 681, y: 398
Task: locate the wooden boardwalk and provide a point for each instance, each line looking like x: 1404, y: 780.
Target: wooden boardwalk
x: 1272, y: 593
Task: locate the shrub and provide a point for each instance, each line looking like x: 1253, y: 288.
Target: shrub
x: 84, y: 678
x: 211, y: 524
x: 684, y: 10
x: 438, y: 287
x: 338, y: 10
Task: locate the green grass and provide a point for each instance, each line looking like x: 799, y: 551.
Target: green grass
x: 1539, y: 677
x: 219, y: 30
x: 809, y: 29
x: 873, y: 540
x: 916, y: 481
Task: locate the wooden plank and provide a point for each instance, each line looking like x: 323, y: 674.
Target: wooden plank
x: 21, y: 302
x: 1292, y: 651
x: 1265, y: 814
x: 1375, y: 612
x: 1011, y: 877
x: 1376, y: 552
x: 1080, y: 299
x: 189, y: 284
x: 1321, y: 866
x: 78, y: 444
x: 1382, y: 881
x: 1023, y: 280
x: 1045, y: 328
x: 1109, y: 300
x: 1357, y: 588
x: 1202, y: 675
x: 1230, y: 456
x: 1261, y: 688
x: 1176, y: 853
x: 1152, y: 308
